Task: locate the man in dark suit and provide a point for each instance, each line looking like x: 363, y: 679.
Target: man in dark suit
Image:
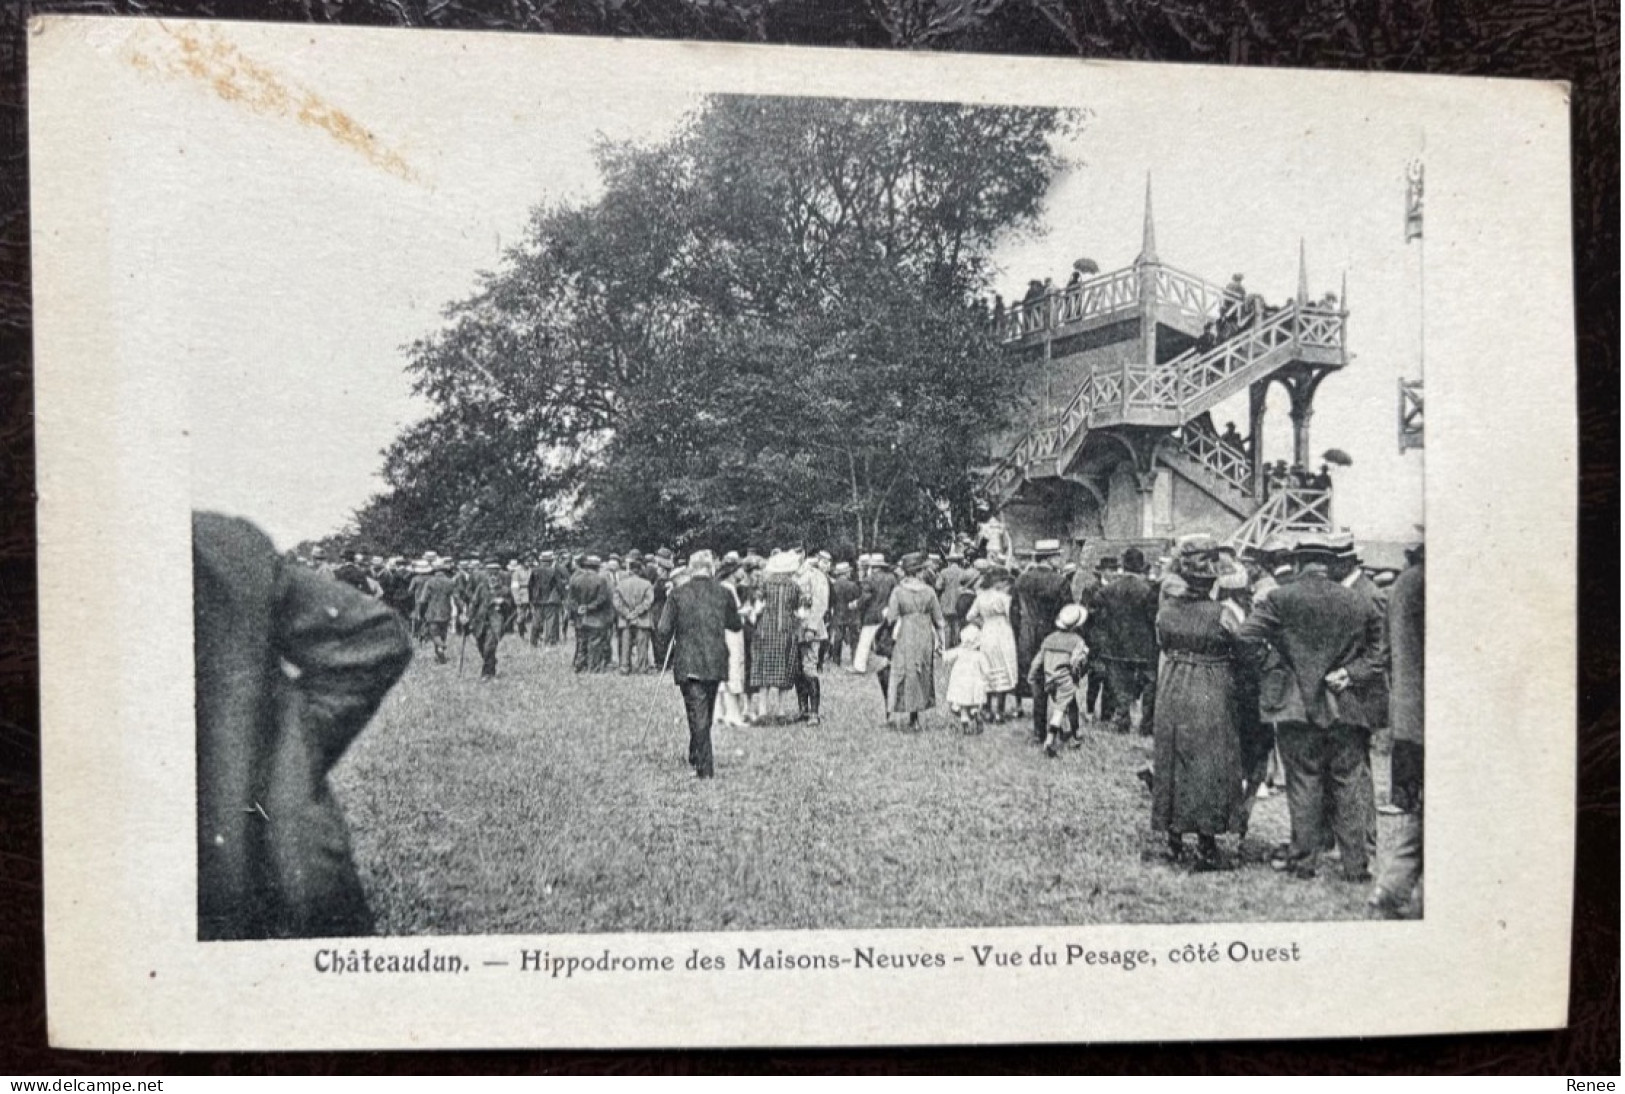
x: 1398, y: 891
x: 546, y: 599
x: 487, y: 615
x: 1041, y: 593
x: 1371, y: 695
x: 273, y: 855
x: 950, y: 583
x: 1324, y: 637
x: 843, y: 599
x: 592, y: 607
x: 1125, y: 634
x: 877, y: 586
x: 696, y: 615
x: 433, y: 610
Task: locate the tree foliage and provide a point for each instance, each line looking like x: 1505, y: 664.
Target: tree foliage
x: 766, y: 328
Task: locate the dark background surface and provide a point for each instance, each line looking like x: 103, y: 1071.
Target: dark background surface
x: 1574, y: 40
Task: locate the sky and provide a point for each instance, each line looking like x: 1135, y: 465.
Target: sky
x: 293, y: 219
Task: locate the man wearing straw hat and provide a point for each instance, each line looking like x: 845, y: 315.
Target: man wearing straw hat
x: 843, y: 600
x: 877, y: 588
x: 1324, y: 636
x: 1041, y: 593
x: 433, y: 608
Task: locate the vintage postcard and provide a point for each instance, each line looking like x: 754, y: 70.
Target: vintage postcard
x: 550, y: 542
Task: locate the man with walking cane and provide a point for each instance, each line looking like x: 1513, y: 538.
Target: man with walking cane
x: 696, y: 615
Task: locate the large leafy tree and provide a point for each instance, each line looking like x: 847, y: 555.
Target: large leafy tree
x: 765, y: 329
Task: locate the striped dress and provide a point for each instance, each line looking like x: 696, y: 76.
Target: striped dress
x: 991, y: 612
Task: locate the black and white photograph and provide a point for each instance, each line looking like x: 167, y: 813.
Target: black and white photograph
x: 624, y: 491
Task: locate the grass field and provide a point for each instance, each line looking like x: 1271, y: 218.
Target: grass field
x: 550, y: 803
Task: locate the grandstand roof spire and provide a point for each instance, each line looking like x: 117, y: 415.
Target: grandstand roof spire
x: 1303, y: 274
x: 1343, y: 293
x: 1148, y: 240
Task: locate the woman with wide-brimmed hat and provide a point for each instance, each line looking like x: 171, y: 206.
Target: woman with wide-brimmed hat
x: 915, y: 616
x: 1197, y: 747
x: 991, y: 611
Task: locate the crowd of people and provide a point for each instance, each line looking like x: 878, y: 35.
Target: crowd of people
x: 1247, y: 671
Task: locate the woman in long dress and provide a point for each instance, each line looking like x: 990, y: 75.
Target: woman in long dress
x: 918, y: 626
x: 991, y: 611
x: 773, y: 643
x: 1198, y: 781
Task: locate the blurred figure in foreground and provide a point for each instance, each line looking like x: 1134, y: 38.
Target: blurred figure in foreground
x: 290, y: 666
x: 1399, y: 885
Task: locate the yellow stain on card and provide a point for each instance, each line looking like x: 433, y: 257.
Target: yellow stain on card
x: 218, y: 64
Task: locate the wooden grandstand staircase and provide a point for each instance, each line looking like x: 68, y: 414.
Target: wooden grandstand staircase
x: 1154, y: 388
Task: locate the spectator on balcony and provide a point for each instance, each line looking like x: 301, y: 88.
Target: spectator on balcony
x: 998, y: 312
x: 1232, y: 438
x: 1208, y: 338
x: 1230, y: 309
x: 1035, y: 291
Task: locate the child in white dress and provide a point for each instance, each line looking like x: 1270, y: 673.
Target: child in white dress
x: 967, y: 669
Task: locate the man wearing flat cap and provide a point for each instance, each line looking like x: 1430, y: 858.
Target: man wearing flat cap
x: 1325, y: 637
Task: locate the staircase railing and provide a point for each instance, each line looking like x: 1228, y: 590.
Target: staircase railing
x: 1187, y: 293
x: 1291, y: 510
x: 1188, y: 385
x: 1201, y: 373
x: 1036, y: 442
x: 1224, y: 461
x: 1104, y: 294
